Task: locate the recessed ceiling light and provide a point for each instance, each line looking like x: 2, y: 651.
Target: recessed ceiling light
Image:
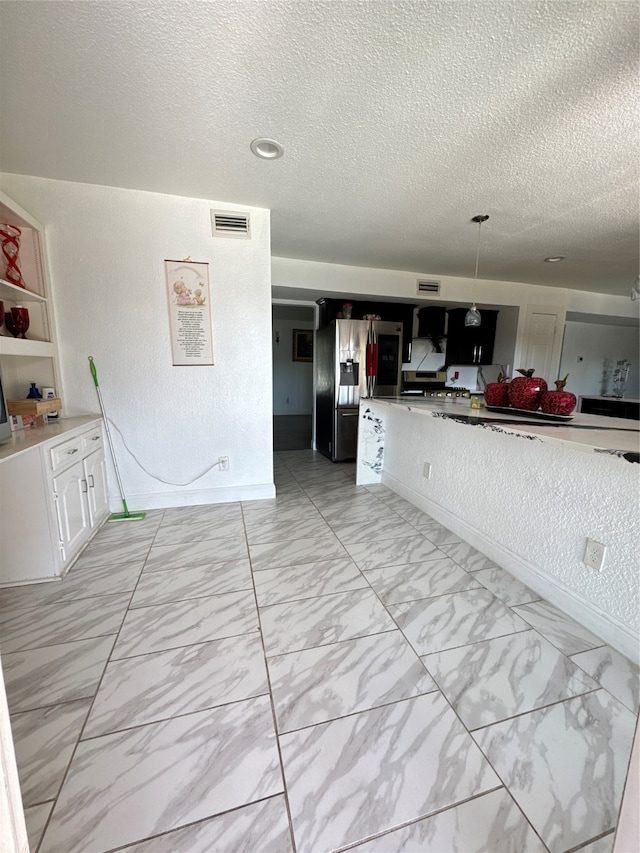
x: 554, y: 259
x: 268, y: 149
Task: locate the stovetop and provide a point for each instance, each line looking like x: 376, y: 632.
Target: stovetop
x: 440, y: 392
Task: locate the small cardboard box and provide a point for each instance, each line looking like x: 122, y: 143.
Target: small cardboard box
x: 33, y: 407
x: 25, y: 421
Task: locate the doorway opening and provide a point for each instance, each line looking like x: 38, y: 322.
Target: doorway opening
x: 293, y: 386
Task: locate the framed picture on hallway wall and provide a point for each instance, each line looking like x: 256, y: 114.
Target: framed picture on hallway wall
x: 189, y: 301
x: 303, y: 345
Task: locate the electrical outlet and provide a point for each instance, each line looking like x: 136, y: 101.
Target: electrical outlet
x: 594, y: 554
x: 223, y: 463
x: 426, y: 471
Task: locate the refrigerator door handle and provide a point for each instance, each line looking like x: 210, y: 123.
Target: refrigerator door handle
x: 372, y: 360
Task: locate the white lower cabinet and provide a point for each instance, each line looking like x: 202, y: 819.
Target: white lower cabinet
x: 53, y: 497
x: 70, y: 493
x: 95, y: 473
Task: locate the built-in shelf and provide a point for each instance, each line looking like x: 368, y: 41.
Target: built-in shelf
x: 34, y: 358
x: 14, y: 293
x: 18, y: 346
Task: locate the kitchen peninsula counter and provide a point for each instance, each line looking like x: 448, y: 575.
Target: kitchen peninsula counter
x: 525, y: 492
x: 587, y: 432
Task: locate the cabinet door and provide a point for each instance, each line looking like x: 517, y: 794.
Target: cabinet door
x: 470, y: 344
x: 69, y: 489
x: 95, y: 473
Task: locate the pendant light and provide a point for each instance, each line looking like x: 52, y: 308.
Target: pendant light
x: 472, y: 317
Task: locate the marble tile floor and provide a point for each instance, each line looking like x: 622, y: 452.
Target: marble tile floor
x: 325, y: 671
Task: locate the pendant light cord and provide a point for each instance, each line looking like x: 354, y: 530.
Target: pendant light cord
x: 478, y: 248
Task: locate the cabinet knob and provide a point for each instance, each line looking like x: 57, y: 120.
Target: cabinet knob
x: 71, y: 452
x: 85, y: 488
x: 91, y: 482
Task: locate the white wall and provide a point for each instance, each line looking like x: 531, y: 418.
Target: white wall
x: 600, y: 346
x: 106, y: 250
x: 506, y: 331
x: 292, y: 380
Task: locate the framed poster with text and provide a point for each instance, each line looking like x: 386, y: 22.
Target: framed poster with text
x: 189, y: 299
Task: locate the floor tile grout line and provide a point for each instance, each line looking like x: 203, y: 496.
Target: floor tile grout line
x: 273, y: 712
x: 184, y: 646
x: 190, y: 598
x: 491, y: 639
x: 192, y: 823
x: 535, y: 710
x: 420, y: 819
x: 178, y: 716
x: 388, y: 704
x: 583, y: 844
x: 48, y: 645
x: 52, y: 705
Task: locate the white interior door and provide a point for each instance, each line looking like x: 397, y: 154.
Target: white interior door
x: 541, y: 340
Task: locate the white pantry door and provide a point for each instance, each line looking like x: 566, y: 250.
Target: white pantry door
x: 542, y: 340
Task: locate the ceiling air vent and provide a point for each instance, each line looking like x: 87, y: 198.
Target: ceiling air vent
x: 225, y: 224
x: 425, y: 286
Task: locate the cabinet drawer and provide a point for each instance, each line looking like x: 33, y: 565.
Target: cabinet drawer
x: 65, y: 453
x: 91, y: 440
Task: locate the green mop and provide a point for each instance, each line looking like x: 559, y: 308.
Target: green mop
x: 117, y: 516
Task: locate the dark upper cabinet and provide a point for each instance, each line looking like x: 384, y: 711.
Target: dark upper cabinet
x: 397, y: 312
x: 470, y: 344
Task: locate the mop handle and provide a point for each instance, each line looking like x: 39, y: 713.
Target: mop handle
x: 94, y: 373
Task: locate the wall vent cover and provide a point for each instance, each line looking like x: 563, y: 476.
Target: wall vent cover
x: 225, y: 224
x: 425, y: 286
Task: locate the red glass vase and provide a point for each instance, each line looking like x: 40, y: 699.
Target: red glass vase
x: 17, y: 321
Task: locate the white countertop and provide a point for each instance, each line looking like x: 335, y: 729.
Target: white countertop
x: 602, y: 433
x: 25, y: 439
x: 610, y: 399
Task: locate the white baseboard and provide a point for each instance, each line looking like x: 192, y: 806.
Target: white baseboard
x: 570, y: 601
x: 229, y: 494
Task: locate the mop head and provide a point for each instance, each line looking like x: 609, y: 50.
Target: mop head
x: 127, y: 516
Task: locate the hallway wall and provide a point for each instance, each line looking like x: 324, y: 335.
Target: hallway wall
x: 292, y: 380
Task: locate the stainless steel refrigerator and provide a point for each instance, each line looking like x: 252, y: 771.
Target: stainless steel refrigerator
x: 354, y: 359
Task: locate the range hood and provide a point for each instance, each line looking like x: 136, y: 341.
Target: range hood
x: 431, y: 323
x: 424, y: 357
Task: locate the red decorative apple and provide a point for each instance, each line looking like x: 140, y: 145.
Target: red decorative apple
x: 525, y: 391
x: 497, y: 393
x: 558, y: 402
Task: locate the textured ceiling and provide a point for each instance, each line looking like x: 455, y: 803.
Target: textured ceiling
x: 400, y: 121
